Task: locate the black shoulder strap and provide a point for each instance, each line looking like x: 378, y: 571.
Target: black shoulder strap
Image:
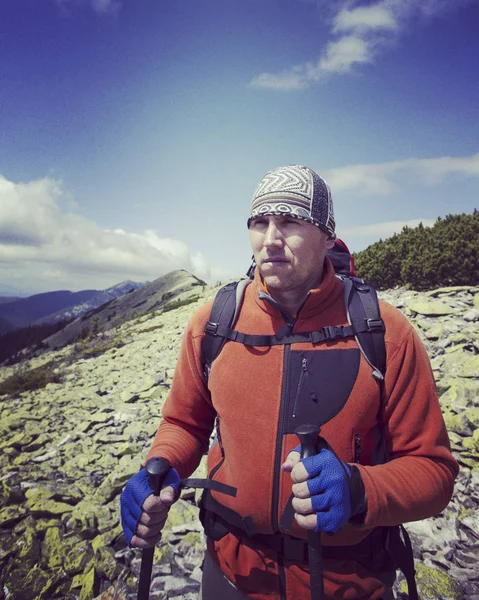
x: 401, y: 551
x: 362, y: 309
x: 224, y: 312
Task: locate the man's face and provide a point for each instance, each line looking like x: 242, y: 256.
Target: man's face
x: 289, y: 252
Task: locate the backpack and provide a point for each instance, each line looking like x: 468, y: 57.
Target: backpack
x: 365, y: 325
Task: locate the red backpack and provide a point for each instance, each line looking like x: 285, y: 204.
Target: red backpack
x: 342, y: 259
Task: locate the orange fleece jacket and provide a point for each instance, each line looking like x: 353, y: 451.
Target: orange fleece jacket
x: 248, y: 394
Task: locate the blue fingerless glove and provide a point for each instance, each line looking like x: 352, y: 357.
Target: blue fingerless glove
x: 135, y: 493
x: 329, y: 486
x: 336, y: 488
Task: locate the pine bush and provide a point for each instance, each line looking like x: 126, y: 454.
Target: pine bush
x: 424, y: 258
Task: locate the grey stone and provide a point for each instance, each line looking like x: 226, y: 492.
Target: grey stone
x: 472, y: 315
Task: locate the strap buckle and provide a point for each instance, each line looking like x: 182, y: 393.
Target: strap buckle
x: 329, y: 332
x: 333, y: 333
x: 375, y: 325
x: 211, y: 328
x: 293, y: 548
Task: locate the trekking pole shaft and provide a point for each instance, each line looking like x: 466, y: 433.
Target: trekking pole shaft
x: 308, y: 436
x: 315, y: 566
x: 145, y: 574
x: 157, y: 468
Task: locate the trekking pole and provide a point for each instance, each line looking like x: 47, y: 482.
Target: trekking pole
x: 157, y: 468
x: 308, y: 436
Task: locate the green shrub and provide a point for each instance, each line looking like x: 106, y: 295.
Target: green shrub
x: 25, y: 380
x: 424, y: 258
x: 91, y: 348
x: 152, y: 328
x: 177, y: 303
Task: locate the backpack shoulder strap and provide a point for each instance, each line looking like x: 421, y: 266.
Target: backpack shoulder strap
x: 225, y: 311
x: 400, y: 549
x: 362, y: 309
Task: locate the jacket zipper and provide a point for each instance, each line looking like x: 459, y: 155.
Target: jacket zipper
x: 220, y: 444
x: 279, y: 437
x: 357, y: 447
x: 302, y: 377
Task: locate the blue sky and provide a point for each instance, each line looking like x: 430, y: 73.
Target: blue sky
x: 133, y: 132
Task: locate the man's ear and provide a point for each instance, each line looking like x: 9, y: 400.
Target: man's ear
x: 329, y: 243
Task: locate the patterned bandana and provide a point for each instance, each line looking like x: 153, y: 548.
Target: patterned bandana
x: 296, y: 191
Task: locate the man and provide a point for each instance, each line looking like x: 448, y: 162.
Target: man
x: 391, y: 462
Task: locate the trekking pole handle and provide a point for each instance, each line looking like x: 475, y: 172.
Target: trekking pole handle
x: 308, y: 435
x: 156, y: 468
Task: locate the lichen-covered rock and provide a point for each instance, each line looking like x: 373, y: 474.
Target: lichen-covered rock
x: 458, y: 423
x: 472, y: 443
x: 78, y: 558
x: 434, y: 584
x: 115, y: 592
x: 30, y: 582
x: 11, y: 515
x: 91, y: 585
x: 53, y: 549
x: 105, y: 564
x: 462, y: 364
x: 50, y: 508
x: 86, y: 518
x: 472, y: 415
x: 472, y: 315
x: 430, y: 308
x: 460, y: 393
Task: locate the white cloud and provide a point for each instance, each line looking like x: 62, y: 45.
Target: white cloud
x: 379, y: 178
x: 44, y: 246
x: 368, y: 179
x: 106, y: 6
x: 291, y: 80
x: 433, y: 170
x: 101, y: 7
x: 365, y: 18
x: 358, y: 34
x: 382, y: 230
x: 341, y: 55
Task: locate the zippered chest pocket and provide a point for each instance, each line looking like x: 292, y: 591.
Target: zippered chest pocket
x: 320, y: 383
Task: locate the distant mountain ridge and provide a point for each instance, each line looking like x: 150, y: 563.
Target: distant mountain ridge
x: 50, y: 307
x: 100, y: 298
x: 8, y: 299
x: 9, y: 290
x: 151, y: 296
x: 5, y: 326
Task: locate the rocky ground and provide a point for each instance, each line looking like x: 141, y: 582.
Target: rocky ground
x: 68, y: 448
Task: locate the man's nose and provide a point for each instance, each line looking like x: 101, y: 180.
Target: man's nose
x: 273, y: 236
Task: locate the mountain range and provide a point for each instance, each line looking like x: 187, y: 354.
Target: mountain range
x: 51, y: 307
x: 90, y: 312
x: 150, y: 297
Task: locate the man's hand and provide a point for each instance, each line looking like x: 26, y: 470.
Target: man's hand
x: 143, y: 515
x: 321, y: 489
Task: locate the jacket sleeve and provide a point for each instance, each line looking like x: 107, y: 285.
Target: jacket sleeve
x: 418, y: 480
x: 187, y: 415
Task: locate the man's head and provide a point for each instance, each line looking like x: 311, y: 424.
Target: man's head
x: 291, y: 226
x: 297, y: 191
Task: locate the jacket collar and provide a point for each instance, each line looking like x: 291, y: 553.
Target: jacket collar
x: 317, y: 300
